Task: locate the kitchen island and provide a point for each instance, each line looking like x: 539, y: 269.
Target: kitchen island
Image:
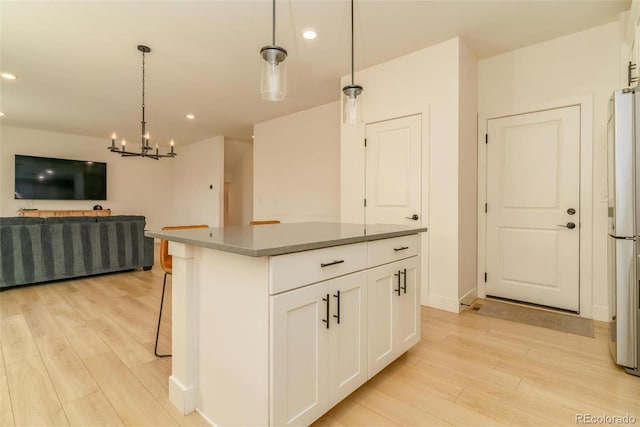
x: 275, y: 324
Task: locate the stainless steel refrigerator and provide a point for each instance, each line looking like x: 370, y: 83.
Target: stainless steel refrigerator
x: 623, y: 143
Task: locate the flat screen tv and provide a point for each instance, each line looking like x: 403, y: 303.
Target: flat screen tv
x: 43, y: 178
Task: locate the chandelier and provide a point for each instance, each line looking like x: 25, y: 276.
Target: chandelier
x: 146, y: 150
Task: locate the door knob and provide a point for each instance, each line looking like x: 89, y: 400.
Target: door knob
x: 570, y: 225
x: 571, y: 211
x: 413, y: 217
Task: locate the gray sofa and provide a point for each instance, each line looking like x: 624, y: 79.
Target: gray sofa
x: 36, y: 250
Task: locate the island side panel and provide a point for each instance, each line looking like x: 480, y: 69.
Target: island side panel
x: 233, y: 337
x: 182, y: 382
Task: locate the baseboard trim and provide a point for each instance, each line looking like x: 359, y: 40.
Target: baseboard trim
x: 182, y: 397
x: 444, y: 303
x: 469, y: 297
x: 600, y: 312
x: 206, y: 419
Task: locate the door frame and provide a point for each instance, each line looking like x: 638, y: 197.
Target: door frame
x: 354, y: 148
x: 585, y: 102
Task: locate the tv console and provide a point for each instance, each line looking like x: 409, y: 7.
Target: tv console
x: 47, y: 213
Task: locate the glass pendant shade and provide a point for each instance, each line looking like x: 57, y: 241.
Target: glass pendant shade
x: 273, y: 78
x: 352, y: 104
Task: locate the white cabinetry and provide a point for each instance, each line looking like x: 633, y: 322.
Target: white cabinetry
x: 329, y: 337
x: 319, y: 352
x: 394, y: 312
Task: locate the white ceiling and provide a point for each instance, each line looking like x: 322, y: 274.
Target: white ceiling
x: 80, y: 72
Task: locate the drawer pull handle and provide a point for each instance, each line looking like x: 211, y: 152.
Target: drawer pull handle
x: 331, y: 263
x: 398, y: 289
x: 337, y: 316
x: 327, y: 319
x: 401, y: 249
x: 404, y: 288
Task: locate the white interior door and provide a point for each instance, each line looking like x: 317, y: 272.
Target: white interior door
x: 393, y: 162
x: 533, y: 218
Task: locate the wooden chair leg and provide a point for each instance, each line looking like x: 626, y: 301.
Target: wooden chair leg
x: 164, y: 284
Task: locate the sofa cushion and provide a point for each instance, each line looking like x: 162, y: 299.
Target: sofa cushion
x: 69, y: 219
x: 120, y: 218
x: 21, y: 220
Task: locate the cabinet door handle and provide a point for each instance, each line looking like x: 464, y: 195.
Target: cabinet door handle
x: 327, y: 319
x: 401, y: 249
x: 337, y: 316
x: 404, y: 288
x: 398, y: 289
x: 331, y: 263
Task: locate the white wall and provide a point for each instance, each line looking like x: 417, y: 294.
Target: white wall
x: 135, y: 186
x: 198, y: 184
x: 426, y: 82
x: 296, y: 165
x: 585, y: 64
x: 238, y: 175
x: 468, y: 171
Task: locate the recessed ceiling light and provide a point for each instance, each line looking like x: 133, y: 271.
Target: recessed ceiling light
x: 309, y: 34
x: 191, y: 116
x: 1, y: 114
x: 8, y: 76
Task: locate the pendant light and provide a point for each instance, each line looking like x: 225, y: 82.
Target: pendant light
x: 273, y: 79
x: 352, y: 105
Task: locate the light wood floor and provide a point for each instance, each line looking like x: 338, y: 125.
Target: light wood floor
x: 80, y: 352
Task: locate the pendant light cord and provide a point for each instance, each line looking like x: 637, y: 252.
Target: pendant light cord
x: 143, y: 121
x: 274, y: 23
x: 351, y: 42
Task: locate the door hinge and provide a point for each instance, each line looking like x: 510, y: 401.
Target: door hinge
x: 486, y: 207
x: 486, y: 138
x: 365, y: 203
x: 365, y: 142
x: 485, y: 277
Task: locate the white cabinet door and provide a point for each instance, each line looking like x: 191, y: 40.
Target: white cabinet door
x: 408, y: 310
x: 347, y: 335
x: 319, y: 336
x: 394, y: 311
x: 383, y: 285
x: 299, y: 355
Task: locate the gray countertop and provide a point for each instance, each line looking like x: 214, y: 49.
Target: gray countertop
x: 278, y: 239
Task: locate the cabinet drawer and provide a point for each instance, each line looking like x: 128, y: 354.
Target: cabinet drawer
x: 389, y: 250
x: 291, y: 271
